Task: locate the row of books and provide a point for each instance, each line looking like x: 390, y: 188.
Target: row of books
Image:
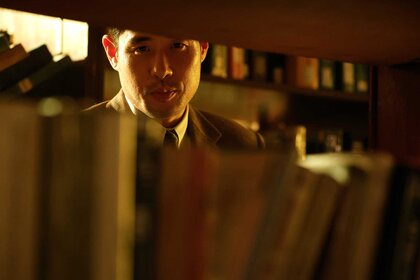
x: 66, y: 192
x: 314, y: 142
x: 309, y: 139
x: 309, y: 73
x: 34, y: 73
x: 93, y: 196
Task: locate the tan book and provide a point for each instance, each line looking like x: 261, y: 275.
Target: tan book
x: 91, y: 203
x: 19, y: 191
x: 11, y: 56
x: 65, y: 234
x: 279, y: 183
x: 349, y: 77
x: 291, y: 234
x: 218, y: 56
x: 113, y: 195
x: 237, y: 66
x: 308, y: 250
x: 241, y: 201
x: 302, y: 72
x: 185, y: 213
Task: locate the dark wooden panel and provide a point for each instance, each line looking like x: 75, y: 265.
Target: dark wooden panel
x: 322, y: 113
x: 95, y: 65
x: 377, y: 31
x: 397, y: 120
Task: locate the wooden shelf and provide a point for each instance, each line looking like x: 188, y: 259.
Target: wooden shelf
x: 371, y: 32
x: 323, y: 94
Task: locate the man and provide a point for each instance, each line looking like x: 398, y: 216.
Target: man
x: 159, y: 76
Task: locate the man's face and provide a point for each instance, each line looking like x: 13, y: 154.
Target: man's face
x: 158, y: 75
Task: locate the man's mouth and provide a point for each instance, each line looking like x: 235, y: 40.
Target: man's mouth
x: 163, y: 94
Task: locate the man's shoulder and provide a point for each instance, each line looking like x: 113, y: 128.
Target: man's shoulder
x: 233, y: 134
x: 118, y: 104
x: 225, y: 124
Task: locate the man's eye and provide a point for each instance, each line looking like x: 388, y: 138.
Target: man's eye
x: 179, y: 45
x: 142, y: 49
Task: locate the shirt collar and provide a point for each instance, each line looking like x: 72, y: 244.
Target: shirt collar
x: 180, y: 128
x: 132, y: 108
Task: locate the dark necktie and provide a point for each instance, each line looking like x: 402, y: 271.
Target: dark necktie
x: 170, y: 140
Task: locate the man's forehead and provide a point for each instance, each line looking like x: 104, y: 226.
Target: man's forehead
x: 144, y: 36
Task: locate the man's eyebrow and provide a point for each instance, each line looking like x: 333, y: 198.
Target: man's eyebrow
x: 139, y: 39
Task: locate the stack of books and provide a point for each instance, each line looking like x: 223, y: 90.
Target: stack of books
x: 35, y: 73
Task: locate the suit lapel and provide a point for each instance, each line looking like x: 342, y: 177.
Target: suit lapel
x: 201, y: 130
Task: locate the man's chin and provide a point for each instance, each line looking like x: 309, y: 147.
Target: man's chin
x: 166, y: 117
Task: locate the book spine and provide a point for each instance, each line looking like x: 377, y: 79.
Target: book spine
x: 349, y: 81
x: 307, y: 72
x: 147, y: 189
x: 362, y: 78
x: 259, y: 66
x: 43, y: 75
x: 407, y: 243
x: 19, y: 191
x: 303, y: 72
x: 219, y: 61
x: 12, y: 56
x: 276, y: 68
x: 238, y: 68
x: 37, y: 58
x: 327, y: 74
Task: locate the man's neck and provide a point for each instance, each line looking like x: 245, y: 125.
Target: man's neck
x: 173, y: 121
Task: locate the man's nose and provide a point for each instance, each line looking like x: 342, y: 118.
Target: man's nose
x: 161, y: 67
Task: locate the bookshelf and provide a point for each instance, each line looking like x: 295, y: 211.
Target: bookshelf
x: 348, y: 34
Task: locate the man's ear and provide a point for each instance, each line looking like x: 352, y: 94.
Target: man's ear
x: 204, y: 46
x: 110, y: 50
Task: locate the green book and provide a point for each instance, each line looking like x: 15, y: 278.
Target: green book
x: 276, y: 68
x: 259, y: 66
x: 362, y: 78
x: 327, y: 74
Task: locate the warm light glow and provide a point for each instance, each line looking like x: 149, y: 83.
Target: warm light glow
x: 32, y: 30
x: 75, y: 39
x: 50, y: 107
x: 327, y: 164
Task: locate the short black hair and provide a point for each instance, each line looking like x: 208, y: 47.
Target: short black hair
x: 115, y: 33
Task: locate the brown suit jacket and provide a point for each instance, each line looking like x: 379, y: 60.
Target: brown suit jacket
x: 203, y: 128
